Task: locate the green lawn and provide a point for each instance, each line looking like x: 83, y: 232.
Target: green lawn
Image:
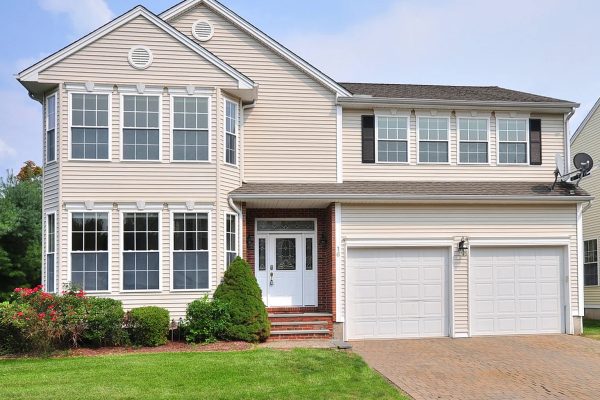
x: 591, y: 328
x: 254, y: 374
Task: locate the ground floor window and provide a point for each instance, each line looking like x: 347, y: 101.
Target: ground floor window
x: 89, y: 250
x: 590, y: 263
x: 190, y: 251
x: 230, y: 238
x: 140, y: 251
x: 50, y: 253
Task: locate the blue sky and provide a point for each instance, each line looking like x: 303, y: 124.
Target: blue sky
x: 548, y: 47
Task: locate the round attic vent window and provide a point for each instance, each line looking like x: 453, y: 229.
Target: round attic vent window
x: 202, y: 30
x: 140, y: 57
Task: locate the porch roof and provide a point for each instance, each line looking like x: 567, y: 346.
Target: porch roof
x: 399, y: 191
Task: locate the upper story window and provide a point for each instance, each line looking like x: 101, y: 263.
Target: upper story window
x: 473, y: 140
x: 140, y: 251
x: 141, y: 131
x: 190, y: 251
x: 433, y: 139
x: 89, y: 126
x: 590, y: 262
x: 512, y: 140
x: 190, y: 129
x: 231, y: 122
x: 89, y: 250
x: 392, y: 139
x: 51, y: 128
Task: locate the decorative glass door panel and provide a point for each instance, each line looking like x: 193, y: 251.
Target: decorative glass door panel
x: 285, y: 254
x: 284, y: 270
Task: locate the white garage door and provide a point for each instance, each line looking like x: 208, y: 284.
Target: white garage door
x: 516, y: 290
x: 397, y: 293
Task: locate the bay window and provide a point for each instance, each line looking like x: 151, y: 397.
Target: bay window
x: 190, y: 251
x: 50, y: 283
x: 231, y: 121
x: 51, y: 128
x: 190, y: 128
x: 141, y: 131
x: 89, y: 250
x: 89, y: 126
x: 230, y: 238
x: 141, y: 251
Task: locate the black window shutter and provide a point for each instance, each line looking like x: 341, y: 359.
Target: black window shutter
x: 368, y: 139
x: 535, y: 141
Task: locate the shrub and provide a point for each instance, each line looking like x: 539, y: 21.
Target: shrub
x: 148, y: 326
x: 205, y: 320
x: 240, y: 291
x: 104, y: 323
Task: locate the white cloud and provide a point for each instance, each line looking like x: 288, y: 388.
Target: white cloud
x: 85, y: 15
x: 6, y: 151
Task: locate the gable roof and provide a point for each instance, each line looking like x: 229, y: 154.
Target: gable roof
x: 585, y: 120
x: 31, y: 73
x: 443, y: 92
x: 261, y: 37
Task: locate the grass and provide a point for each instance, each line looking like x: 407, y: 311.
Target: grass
x: 591, y: 328
x: 255, y: 374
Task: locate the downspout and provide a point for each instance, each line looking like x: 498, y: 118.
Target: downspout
x: 242, y: 134
x: 237, y: 210
x: 566, y: 118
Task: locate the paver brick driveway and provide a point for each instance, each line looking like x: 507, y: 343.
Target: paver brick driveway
x: 508, y: 367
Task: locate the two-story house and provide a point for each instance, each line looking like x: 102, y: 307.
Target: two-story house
x: 175, y: 142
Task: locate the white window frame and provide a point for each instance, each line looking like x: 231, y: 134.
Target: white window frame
x: 397, y: 115
x: 597, y: 263
x: 236, y: 240
x: 172, y: 213
x: 172, y: 126
x: 498, y: 140
x: 122, y: 125
x: 236, y: 134
x: 70, y: 127
x: 48, y: 252
x: 46, y: 130
x: 459, y: 141
x: 147, y: 210
x: 418, y: 140
x: 78, y: 210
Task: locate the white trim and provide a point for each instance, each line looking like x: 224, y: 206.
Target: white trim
x: 260, y: 36
x: 46, y: 130
x: 236, y: 134
x: 585, y: 121
x: 197, y: 207
x: 196, y: 94
x: 88, y: 87
x: 83, y: 206
x: 339, y: 146
x: 404, y: 115
x: 580, y: 270
x: 122, y: 250
x: 339, y: 315
x: 122, y: 125
x: 237, y: 235
x: 459, y: 141
x: 377, y: 242
x: 31, y: 73
x: 140, y: 89
x: 520, y: 241
x: 527, y: 149
x: 208, y: 213
x: 418, y: 140
x: 70, y: 124
x: 140, y: 207
x: 54, y: 251
x: 190, y: 90
x: 109, y: 251
x: 132, y: 62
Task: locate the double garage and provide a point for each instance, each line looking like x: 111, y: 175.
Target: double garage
x: 412, y: 292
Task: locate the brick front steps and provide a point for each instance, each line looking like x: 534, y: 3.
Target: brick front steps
x: 300, y: 325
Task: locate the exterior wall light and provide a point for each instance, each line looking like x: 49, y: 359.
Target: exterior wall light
x: 463, y: 246
x: 250, y: 242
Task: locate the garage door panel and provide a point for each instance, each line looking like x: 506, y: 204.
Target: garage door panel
x: 410, y: 296
x: 528, y: 301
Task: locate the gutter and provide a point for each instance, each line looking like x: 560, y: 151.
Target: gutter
x: 567, y: 140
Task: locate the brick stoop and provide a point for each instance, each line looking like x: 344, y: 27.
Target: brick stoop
x: 301, y: 325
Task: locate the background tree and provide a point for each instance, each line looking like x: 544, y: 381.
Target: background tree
x: 20, y: 229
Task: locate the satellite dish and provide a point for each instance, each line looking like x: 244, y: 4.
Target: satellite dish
x: 560, y: 164
x: 583, y: 165
x: 583, y: 162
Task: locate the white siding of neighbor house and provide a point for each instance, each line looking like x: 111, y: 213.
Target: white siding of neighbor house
x: 588, y: 142
x: 354, y: 169
x: 427, y: 222
x: 290, y: 134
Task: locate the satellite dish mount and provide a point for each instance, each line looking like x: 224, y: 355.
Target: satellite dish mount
x: 583, y: 166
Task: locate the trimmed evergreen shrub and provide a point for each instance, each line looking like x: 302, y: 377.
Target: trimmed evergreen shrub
x: 148, y: 326
x: 206, y: 320
x: 240, y: 291
x: 104, y: 323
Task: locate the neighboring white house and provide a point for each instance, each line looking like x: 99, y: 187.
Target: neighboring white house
x: 586, y: 139
x: 175, y: 142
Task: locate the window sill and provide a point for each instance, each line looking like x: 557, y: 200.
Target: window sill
x: 191, y: 290
x: 140, y: 291
x: 94, y: 160
x: 191, y: 161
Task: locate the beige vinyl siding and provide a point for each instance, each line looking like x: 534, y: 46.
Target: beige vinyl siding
x: 290, y: 134
x: 354, y: 169
x: 587, y: 141
x: 106, y: 60
x: 428, y: 222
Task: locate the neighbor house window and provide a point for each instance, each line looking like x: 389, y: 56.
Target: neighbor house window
x: 140, y: 251
x: 231, y: 120
x: 433, y: 140
x: 512, y: 139
x: 50, y: 252
x: 230, y: 238
x: 473, y: 140
x: 392, y: 139
x: 141, y: 133
x: 190, y: 128
x: 89, y: 250
x: 190, y: 251
x: 89, y: 126
x: 51, y: 128
x: 590, y: 262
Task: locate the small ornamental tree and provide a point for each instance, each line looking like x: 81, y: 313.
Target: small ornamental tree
x: 249, y: 319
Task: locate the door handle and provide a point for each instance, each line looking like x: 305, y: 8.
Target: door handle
x: 271, y: 274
